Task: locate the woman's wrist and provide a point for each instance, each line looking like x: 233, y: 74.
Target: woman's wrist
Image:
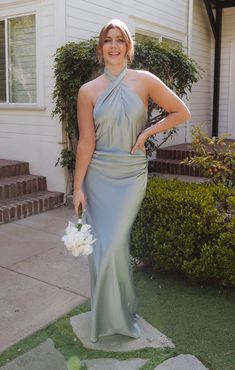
x: 77, y: 189
x: 146, y: 134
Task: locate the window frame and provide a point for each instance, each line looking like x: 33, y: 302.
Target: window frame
x: 10, y: 13
x: 147, y: 28
x: 157, y: 31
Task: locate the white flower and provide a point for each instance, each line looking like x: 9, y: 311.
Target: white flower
x: 68, y: 241
x: 78, y: 238
x: 85, y: 228
x: 71, y: 228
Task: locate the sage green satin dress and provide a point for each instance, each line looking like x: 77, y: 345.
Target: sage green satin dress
x: 115, y: 185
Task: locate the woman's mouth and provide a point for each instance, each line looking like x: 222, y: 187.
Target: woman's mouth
x: 113, y: 54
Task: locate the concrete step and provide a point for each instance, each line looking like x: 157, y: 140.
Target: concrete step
x: 13, y: 168
x: 28, y: 205
x: 172, y: 166
x: 14, y: 186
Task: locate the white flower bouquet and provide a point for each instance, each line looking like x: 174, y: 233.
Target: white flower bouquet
x: 78, y: 238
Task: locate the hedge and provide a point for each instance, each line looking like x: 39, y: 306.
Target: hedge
x: 187, y: 228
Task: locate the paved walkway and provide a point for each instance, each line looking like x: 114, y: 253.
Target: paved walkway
x: 40, y: 281
x: 39, y: 277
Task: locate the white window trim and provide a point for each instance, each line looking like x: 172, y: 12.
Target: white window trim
x: 9, y: 13
x: 139, y: 25
x: 10, y: 3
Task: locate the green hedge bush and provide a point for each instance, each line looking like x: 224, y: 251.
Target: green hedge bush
x: 187, y: 228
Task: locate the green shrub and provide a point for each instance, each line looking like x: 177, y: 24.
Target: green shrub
x: 214, y: 156
x: 186, y: 228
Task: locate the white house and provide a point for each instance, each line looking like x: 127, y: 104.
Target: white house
x: 30, y: 32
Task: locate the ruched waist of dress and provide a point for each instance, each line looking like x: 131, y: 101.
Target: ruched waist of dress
x: 118, y: 154
x: 119, y: 164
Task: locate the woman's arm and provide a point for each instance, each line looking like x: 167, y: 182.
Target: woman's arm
x: 166, y: 99
x: 86, y: 144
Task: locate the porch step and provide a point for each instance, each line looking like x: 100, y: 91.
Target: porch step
x: 14, y: 186
x: 13, y: 168
x: 169, y: 160
x: 173, y: 167
x: 28, y: 205
x: 23, y: 194
x: 180, y: 152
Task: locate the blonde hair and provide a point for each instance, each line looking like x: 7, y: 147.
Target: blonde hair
x: 116, y: 23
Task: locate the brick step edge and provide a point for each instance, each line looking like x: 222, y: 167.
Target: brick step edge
x: 174, y: 154
x: 16, y: 186
x: 29, y: 205
x: 173, y: 167
x: 10, y: 168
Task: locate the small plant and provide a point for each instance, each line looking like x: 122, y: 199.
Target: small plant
x: 67, y: 160
x: 214, y: 156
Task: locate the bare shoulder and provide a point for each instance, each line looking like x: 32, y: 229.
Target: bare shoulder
x: 89, y: 86
x: 145, y: 77
x: 89, y: 89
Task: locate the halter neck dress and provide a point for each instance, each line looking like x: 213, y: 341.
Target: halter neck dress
x: 115, y: 185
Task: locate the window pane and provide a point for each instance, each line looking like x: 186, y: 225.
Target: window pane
x: 139, y: 37
x: 171, y: 43
x: 22, y: 59
x: 2, y: 63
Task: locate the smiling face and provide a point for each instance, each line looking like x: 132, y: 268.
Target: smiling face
x: 115, y: 43
x: 114, y: 49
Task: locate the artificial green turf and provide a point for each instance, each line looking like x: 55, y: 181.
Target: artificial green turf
x: 199, y: 320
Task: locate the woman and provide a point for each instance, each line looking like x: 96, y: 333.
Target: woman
x: 111, y: 172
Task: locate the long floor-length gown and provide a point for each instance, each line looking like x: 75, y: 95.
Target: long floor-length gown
x: 115, y: 185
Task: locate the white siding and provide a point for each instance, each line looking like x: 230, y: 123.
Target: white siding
x: 228, y: 35
x: 86, y: 17
x: 201, y: 95
x: 27, y: 134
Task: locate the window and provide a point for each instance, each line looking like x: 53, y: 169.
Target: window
x: 170, y: 42
x: 140, y: 37
x: 18, y: 82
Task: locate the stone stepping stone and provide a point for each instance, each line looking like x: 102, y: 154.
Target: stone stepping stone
x: 43, y: 357
x: 182, y: 362
x: 150, y: 336
x: 113, y: 364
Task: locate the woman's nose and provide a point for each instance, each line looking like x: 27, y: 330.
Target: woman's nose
x: 114, y: 43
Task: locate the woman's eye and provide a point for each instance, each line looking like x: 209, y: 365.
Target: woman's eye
x: 118, y: 40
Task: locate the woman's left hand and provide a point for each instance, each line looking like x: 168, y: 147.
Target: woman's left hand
x: 140, y: 143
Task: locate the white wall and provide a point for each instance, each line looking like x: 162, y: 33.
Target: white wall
x: 227, y: 77
x: 28, y: 133
x: 202, y: 94
x: 86, y: 17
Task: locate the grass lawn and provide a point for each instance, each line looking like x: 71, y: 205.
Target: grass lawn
x: 200, y: 320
